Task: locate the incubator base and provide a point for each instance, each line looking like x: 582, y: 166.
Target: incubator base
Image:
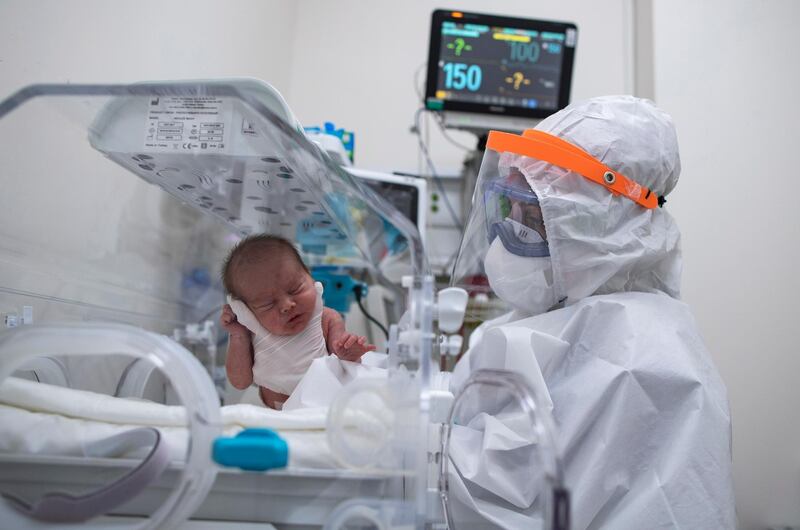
x: 295, y: 499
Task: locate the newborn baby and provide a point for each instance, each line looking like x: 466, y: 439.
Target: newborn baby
x: 276, y: 321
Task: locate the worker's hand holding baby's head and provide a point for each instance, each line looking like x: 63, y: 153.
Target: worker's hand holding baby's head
x: 231, y: 324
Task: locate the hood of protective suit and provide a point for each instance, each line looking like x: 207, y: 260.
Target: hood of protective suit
x: 600, y: 242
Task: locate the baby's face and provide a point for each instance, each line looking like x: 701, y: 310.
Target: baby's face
x: 279, y: 292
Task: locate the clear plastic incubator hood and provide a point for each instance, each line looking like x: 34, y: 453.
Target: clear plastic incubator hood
x: 111, y: 368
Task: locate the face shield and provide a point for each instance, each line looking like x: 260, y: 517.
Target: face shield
x: 505, y: 245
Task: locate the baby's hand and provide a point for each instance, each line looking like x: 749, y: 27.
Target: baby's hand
x: 350, y: 347
x: 231, y: 324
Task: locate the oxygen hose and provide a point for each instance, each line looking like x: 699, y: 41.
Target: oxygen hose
x: 358, y: 293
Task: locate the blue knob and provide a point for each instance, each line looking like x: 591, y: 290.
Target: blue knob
x: 252, y: 449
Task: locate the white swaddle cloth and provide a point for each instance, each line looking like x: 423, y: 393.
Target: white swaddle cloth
x: 280, y: 361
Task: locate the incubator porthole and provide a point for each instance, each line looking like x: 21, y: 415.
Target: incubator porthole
x: 271, y: 160
x: 285, y: 176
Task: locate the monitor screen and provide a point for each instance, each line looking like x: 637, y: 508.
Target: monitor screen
x: 407, y: 194
x: 402, y: 196
x: 499, y: 65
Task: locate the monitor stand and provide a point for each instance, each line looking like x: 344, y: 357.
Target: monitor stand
x: 480, y: 123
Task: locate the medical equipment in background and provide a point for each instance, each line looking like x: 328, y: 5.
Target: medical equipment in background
x: 231, y: 151
x: 339, y: 288
x: 492, y: 72
x: 340, y: 144
x: 485, y: 72
x: 407, y: 194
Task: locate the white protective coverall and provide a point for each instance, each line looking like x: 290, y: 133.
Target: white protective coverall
x: 642, y: 415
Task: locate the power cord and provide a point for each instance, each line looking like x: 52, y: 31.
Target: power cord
x: 358, y: 292
x: 434, y: 175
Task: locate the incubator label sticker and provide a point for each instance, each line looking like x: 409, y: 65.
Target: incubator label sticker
x: 188, y: 123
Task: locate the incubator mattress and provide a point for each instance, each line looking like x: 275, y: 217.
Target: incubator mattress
x: 38, y: 418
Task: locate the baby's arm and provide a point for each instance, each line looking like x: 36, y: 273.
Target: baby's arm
x: 239, y: 361
x: 345, y: 345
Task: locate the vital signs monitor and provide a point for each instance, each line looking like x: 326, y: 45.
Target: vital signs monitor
x: 487, y: 71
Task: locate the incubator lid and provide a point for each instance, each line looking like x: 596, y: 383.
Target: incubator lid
x: 76, y: 246
x: 231, y: 149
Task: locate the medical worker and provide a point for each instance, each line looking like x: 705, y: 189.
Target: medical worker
x: 569, y: 224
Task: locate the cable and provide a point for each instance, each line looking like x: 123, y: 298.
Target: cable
x: 437, y: 180
x: 417, y: 88
x: 440, y: 122
x: 434, y: 175
x: 438, y: 115
x: 357, y: 292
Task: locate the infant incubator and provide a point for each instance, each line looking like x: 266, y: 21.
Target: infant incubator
x: 114, y: 410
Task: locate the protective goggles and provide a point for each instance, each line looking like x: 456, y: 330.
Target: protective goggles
x: 513, y: 214
x: 548, y: 148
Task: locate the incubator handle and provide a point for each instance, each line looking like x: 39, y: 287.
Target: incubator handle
x: 452, y: 304
x: 65, y: 508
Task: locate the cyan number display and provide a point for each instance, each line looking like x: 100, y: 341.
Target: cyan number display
x: 459, y: 76
x: 524, y: 51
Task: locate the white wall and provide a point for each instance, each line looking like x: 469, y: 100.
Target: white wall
x: 729, y: 74
x: 356, y: 63
x: 96, y: 234
x: 128, y: 41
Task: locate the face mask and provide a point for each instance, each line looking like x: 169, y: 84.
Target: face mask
x: 524, y: 282
x: 520, y: 239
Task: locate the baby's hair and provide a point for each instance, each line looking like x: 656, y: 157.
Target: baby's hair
x: 254, y: 249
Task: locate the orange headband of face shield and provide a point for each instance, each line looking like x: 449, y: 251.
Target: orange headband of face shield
x: 548, y: 148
